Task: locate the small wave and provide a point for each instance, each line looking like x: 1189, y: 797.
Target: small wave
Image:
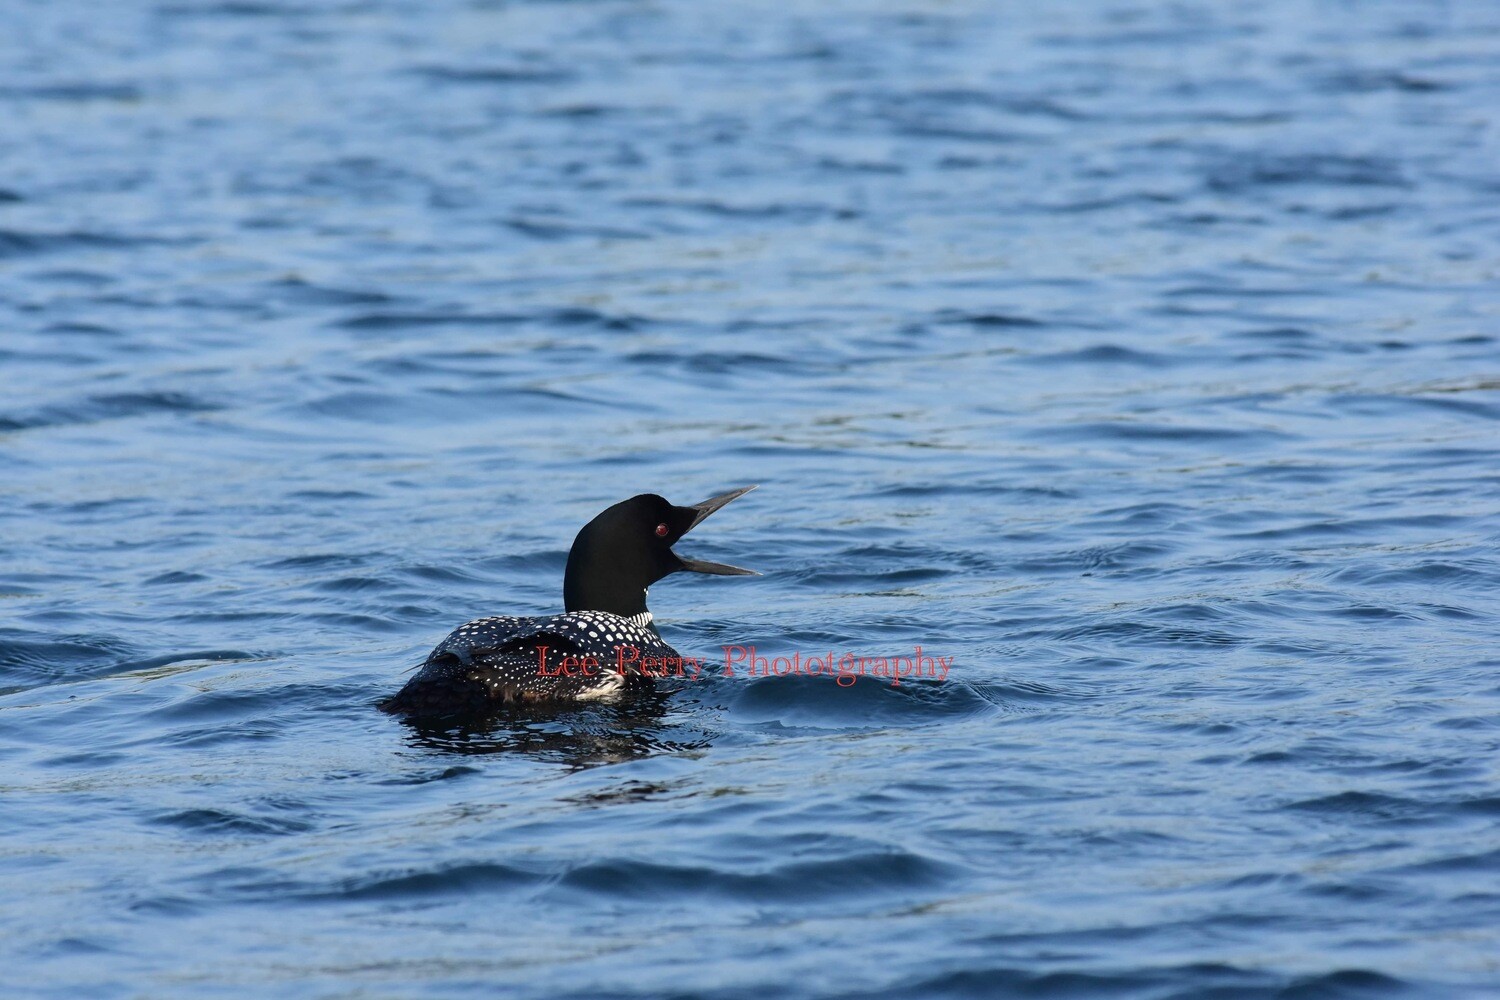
x: 1477, y: 863
x: 559, y: 229
x: 1369, y: 81
x: 322, y: 560
x: 83, y: 330
x: 233, y: 8
x: 427, y: 776
x: 441, y: 408
x: 114, y: 406
x: 987, y: 320
x: 1040, y: 493
x: 871, y: 702
x: 1254, y: 170
x: 869, y: 874
x: 264, y: 707
x: 1145, y: 431
x: 726, y: 209
x: 75, y: 91
x: 28, y: 663
x: 459, y: 879
x: 1128, y: 632
x: 19, y: 243
x: 581, y: 316
x: 294, y: 289
x: 490, y: 75
x: 1096, y: 204
x: 582, y: 110
x: 1353, y: 984
x: 1399, y: 403
x: 721, y: 362
x: 1182, y: 982
x: 1096, y: 557
x: 332, y: 496
x: 1335, y: 527
x: 566, y: 316
x: 1367, y: 805
x: 1103, y: 354
x: 412, y: 320
x: 223, y: 821
x: 175, y: 578
x: 27, y: 657
x: 1278, y: 335
x: 354, y: 585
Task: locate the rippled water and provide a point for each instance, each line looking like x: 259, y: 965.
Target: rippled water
x: 1140, y: 357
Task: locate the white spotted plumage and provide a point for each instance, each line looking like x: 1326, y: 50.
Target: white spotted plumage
x: 498, y: 659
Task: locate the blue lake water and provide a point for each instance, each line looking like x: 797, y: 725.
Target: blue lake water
x: 1141, y: 358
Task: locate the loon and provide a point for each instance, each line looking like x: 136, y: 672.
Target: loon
x: 602, y: 646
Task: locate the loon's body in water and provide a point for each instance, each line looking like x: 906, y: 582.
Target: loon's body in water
x: 603, y: 645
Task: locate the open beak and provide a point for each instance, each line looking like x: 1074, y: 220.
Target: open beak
x: 698, y: 512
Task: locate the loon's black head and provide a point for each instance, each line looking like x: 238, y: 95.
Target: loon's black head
x: 626, y: 549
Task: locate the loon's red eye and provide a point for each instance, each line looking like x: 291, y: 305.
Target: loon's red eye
x: 661, y: 531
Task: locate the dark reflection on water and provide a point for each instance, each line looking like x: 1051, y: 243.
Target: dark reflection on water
x: 1139, y: 357
x: 576, y: 736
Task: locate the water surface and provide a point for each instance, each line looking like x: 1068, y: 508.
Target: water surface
x: 1141, y: 358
